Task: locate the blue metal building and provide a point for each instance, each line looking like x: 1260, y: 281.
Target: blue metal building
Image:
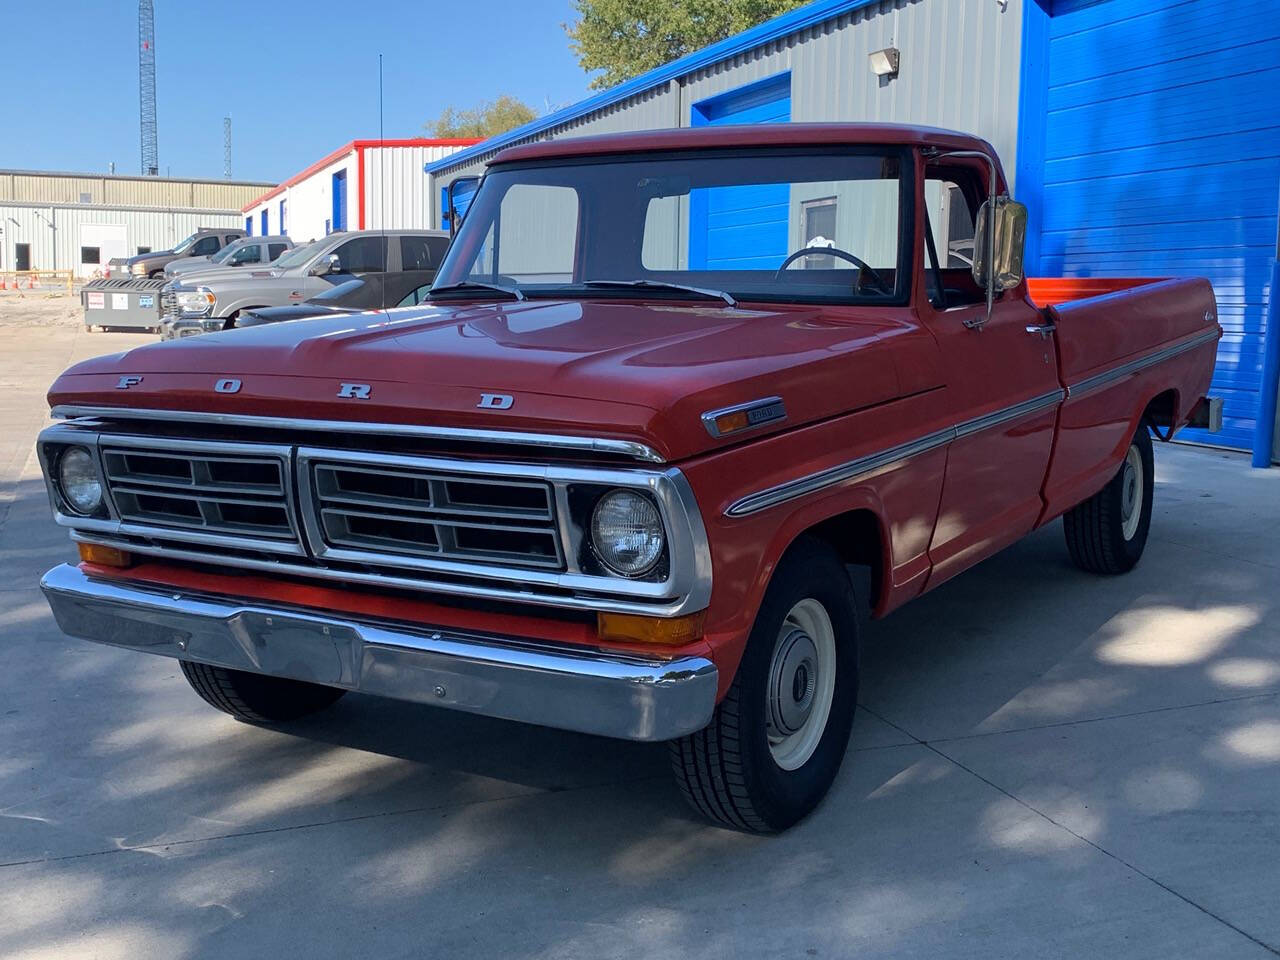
x: 1143, y: 134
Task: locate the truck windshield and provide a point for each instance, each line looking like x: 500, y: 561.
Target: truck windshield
x: 778, y: 224
x: 181, y: 248
x: 298, y: 255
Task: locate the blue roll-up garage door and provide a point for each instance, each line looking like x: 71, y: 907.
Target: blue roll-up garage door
x: 741, y: 227
x: 1162, y: 158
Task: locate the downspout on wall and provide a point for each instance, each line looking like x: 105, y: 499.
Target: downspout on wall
x: 1264, y: 434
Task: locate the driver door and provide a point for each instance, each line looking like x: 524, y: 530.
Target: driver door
x: 1002, y: 387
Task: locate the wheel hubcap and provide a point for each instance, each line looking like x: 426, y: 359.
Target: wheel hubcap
x: 1131, y: 481
x: 801, y: 684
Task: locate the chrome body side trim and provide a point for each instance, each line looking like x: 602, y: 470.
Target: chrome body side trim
x: 590, y: 691
x: 545, y: 441
x: 759, y: 412
x: 840, y: 473
x: 1089, y: 384
x: 1015, y: 412
x: 864, y: 466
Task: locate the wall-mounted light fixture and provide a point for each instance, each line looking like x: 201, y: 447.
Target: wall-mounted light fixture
x: 884, y: 63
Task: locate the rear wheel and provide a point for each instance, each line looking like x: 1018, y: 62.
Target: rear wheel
x: 777, y: 739
x: 1108, y: 532
x: 254, y: 698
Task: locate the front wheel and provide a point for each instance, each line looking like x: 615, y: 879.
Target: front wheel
x: 1108, y: 532
x: 255, y: 698
x: 776, y: 741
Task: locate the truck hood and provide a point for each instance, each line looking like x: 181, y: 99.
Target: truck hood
x: 627, y: 370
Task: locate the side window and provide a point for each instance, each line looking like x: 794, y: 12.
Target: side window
x: 232, y: 237
x: 415, y: 254
x: 952, y: 220
x: 414, y: 297
x: 206, y: 246
x: 251, y: 253
x: 274, y: 250
x: 363, y: 255
x: 438, y: 246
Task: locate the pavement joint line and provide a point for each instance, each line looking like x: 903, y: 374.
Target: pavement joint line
x: 1216, y: 553
x: 929, y: 745
x: 1105, y: 852
x: 1083, y: 720
x: 265, y: 831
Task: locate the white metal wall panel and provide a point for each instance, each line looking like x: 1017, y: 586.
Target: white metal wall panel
x: 309, y: 203
x: 54, y: 231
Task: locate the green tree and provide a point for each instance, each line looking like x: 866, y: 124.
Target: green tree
x: 624, y: 38
x: 486, y: 120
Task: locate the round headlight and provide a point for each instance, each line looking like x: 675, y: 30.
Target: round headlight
x: 79, y: 480
x: 626, y: 532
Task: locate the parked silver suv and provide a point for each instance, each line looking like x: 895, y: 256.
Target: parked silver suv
x: 300, y: 274
x: 247, y: 250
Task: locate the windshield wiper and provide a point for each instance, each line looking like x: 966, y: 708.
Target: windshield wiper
x: 477, y: 285
x: 663, y: 285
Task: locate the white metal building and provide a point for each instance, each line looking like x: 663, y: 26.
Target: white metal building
x: 1144, y: 135
x: 363, y: 185
x: 81, y: 221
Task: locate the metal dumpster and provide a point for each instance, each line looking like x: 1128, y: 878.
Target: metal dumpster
x: 122, y: 303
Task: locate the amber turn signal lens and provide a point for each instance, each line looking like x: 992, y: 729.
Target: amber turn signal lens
x: 105, y: 556
x: 732, y: 422
x: 668, y: 631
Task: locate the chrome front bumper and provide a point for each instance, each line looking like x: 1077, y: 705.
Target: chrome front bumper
x: 592, y: 692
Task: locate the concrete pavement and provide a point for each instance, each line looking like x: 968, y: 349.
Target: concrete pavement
x: 1046, y: 764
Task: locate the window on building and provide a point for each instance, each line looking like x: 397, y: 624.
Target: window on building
x: 363, y: 255
x: 284, y: 232
x: 265, y: 231
x: 248, y: 226
x: 90, y: 255
x: 22, y: 256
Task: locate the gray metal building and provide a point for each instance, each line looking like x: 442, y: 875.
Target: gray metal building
x: 959, y: 68
x: 80, y: 221
x: 1144, y: 135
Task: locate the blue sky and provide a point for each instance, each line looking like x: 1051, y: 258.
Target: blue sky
x: 299, y: 79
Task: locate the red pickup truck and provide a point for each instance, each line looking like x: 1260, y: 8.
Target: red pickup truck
x: 681, y: 408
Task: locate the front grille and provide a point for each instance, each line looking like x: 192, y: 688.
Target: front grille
x: 410, y: 512
x: 237, y: 494
x: 168, y: 301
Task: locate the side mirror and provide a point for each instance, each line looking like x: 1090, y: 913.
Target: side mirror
x: 327, y: 265
x: 1010, y: 240
x: 461, y: 192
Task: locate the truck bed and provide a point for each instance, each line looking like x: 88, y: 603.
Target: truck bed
x: 1123, y: 343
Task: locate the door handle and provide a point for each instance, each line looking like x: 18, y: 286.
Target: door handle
x: 1044, y: 329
